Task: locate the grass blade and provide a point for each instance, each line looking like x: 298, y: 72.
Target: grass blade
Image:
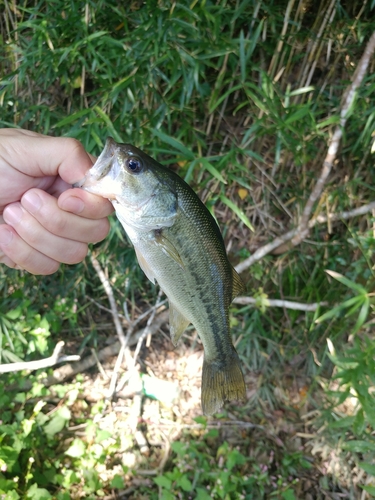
x: 240, y: 214
x: 213, y: 171
x: 347, y: 282
x: 174, y: 143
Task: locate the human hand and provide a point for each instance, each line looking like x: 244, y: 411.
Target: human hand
x: 43, y: 221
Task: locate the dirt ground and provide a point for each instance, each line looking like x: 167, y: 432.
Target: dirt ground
x: 157, y: 402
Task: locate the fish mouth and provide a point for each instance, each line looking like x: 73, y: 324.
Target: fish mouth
x: 101, y: 177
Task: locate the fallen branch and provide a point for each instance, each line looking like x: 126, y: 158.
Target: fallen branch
x: 220, y: 424
x: 362, y: 210
x: 265, y: 250
x: 334, y: 143
x: 287, y: 304
x: 68, y: 371
x: 124, y: 351
x: 40, y: 363
x: 100, y: 306
x: 295, y: 236
x: 108, y: 290
x: 320, y: 219
x: 130, y: 373
x: 148, y: 325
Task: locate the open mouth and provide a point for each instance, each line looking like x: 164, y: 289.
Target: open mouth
x: 101, y: 167
x: 101, y: 178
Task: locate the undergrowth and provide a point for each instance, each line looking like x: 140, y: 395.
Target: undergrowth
x: 240, y: 98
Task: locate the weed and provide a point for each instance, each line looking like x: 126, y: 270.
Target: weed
x: 240, y: 99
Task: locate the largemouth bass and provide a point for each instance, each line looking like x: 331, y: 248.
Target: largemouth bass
x: 178, y: 245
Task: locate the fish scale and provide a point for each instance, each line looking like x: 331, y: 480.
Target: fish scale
x: 179, y: 246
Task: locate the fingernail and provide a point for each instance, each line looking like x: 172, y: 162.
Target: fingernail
x: 13, y: 214
x: 31, y: 201
x: 73, y: 204
x: 6, y: 236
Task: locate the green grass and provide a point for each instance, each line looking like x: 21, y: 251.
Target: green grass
x: 220, y: 93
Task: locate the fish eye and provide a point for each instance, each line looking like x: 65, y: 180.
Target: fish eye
x: 134, y: 164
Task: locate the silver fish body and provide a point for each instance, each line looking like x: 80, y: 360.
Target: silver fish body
x: 179, y: 246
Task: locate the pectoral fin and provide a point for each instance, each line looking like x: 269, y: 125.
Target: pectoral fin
x: 168, y: 248
x: 144, y: 266
x: 177, y: 323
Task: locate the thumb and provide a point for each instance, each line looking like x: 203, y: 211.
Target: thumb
x: 39, y: 155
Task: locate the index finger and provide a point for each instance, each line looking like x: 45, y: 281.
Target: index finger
x: 39, y: 155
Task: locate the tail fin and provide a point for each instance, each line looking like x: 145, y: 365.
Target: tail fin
x: 221, y: 381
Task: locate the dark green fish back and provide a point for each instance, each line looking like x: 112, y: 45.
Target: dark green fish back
x: 216, y: 283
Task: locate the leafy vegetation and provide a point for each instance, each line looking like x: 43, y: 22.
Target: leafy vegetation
x: 240, y: 97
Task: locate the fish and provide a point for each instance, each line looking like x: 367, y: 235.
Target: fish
x: 178, y: 245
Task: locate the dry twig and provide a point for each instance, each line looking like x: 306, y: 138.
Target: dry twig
x: 287, y: 304
x: 320, y: 219
x: 362, y: 210
x: 68, y: 371
x: 124, y: 350
x: 334, y: 143
x: 40, y: 363
x: 108, y: 290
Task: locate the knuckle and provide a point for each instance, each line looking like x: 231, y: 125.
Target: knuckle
x: 54, y: 221
x: 73, y: 144
x: 57, y: 225
x: 31, y: 237
x: 22, y: 255
x: 74, y: 147
x: 7, y: 261
x: 27, y: 259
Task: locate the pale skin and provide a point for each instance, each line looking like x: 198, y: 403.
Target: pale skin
x: 43, y: 221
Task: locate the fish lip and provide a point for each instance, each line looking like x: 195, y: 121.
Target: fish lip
x: 100, y: 167
x: 105, y: 158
